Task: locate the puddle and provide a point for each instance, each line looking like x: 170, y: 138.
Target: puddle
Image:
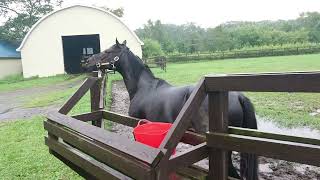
x: 269, y: 126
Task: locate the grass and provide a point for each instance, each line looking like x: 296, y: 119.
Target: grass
x: 24, y: 155
x: 188, y: 73
x: 18, y: 82
x: 287, y: 109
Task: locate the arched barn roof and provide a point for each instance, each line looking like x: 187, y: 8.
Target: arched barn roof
x: 57, y: 11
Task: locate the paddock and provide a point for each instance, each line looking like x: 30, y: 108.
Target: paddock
x: 76, y: 136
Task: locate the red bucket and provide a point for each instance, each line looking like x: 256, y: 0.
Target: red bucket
x: 151, y: 133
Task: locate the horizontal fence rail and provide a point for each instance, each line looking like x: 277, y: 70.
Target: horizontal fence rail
x: 221, y: 139
x: 242, y: 54
x: 267, y: 82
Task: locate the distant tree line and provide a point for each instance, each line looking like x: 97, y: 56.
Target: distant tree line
x: 189, y: 38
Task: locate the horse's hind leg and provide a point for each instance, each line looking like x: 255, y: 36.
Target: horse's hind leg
x: 232, y: 170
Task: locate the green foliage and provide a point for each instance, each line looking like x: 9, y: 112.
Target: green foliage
x: 21, y: 15
x: 190, y: 38
x: 118, y: 11
x: 247, y: 52
x: 151, y: 48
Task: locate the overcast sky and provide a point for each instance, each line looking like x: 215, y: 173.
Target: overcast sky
x: 206, y: 13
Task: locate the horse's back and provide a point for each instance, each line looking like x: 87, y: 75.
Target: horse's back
x: 161, y: 103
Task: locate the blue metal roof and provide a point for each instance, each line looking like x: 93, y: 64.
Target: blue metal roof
x: 8, y: 50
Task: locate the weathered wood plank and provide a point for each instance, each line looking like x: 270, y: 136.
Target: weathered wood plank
x: 140, y: 151
x: 91, y: 116
x: 65, y: 109
x: 281, y: 137
x: 113, y: 158
x: 97, y: 96
x: 273, y: 82
x: 218, y: 122
x: 193, y: 138
x: 179, y: 127
x: 74, y: 167
x: 88, y: 164
x: 188, y: 138
x: 185, y: 159
x: 182, y: 122
x: 285, y: 150
x: 121, y: 119
x: 195, y: 172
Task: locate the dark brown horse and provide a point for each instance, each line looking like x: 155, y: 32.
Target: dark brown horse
x: 156, y: 100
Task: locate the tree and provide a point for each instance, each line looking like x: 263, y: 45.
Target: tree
x: 151, y: 48
x: 118, y: 12
x: 20, y: 15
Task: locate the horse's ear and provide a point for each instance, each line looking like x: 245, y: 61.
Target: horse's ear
x: 124, y: 42
x: 117, y: 42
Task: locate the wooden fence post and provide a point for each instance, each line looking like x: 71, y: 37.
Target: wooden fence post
x: 218, y: 122
x: 97, y: 95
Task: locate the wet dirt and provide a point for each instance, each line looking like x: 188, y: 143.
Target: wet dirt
x: 269, y: 169
x: 11, y: 102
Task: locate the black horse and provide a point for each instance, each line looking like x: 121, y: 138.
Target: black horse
x: 156, y: 100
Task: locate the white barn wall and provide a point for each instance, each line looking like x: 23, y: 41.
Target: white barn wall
x: 42, y: 49
x: 10, y: 67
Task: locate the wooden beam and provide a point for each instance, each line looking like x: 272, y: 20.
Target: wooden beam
x: 140, y: 151
x: 188, y: 138
x: 179, y: 127
x: 183, y: 120
x: 218, y: 122
x: 187, y: 158
x: 111, y: 157
x: 285, y: 150
x: 74, y: 167
x: 195, y: 172
x: 193, y: 138
x: 281, y: 137
x: 86, y: 163
x: 121, y: 119
x: 91, y: 116
x: 272, y: 82
x: 65, y: 109
x: 97, y: 96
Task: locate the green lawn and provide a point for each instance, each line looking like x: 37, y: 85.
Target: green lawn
x: 287, y: 109
x: 18, y: 82
x: 24, y: 155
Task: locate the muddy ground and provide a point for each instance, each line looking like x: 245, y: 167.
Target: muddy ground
x: 269, y: 168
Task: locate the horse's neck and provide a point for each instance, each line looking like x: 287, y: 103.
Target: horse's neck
x: 136, y: 76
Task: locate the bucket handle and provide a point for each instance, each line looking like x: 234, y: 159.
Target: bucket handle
x: 142, y: 121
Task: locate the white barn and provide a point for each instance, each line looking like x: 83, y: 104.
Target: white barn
x: 57, y: 42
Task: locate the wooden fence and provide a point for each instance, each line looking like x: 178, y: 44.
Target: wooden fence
x: 95, y: 153
x: 242, y: 54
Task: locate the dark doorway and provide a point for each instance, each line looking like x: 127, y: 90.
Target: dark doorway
x: 76, y: 48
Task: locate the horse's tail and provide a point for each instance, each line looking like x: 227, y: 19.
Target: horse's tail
x: 248, y: 162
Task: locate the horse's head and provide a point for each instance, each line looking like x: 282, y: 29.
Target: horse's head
x: 109, y: 58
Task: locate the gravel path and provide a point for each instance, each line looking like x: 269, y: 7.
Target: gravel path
x: 269, y: 168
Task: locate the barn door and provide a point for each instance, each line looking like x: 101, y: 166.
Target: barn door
x: 75, y: 48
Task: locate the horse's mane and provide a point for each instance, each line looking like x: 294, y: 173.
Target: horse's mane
x: 147, y: 68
